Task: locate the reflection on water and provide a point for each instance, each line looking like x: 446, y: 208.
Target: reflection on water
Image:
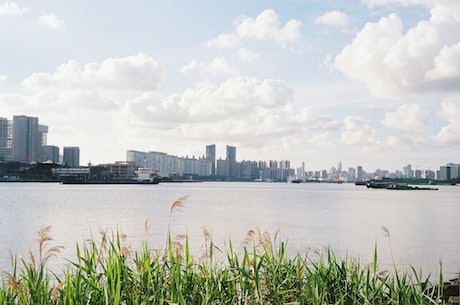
x: 423, y: 225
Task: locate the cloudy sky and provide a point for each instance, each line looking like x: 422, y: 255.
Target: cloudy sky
x: 365, y: 82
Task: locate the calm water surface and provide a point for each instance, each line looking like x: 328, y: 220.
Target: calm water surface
x: 424, y: 225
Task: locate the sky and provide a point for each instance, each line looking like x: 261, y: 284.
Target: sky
x: 374, y: 83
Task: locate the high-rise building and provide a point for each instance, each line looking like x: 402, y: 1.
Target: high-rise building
x: 211, y: 155
x: 43, y: 133
x: 231, y: 153
x: 50, y: 153
x: 26, y: 139
x: 359, y: 172
x: 449, y: 171
x: 5, y: 138
x: 408, y: 173
x: 71, y: 156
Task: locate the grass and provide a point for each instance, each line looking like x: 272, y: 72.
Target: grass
x: 108, y: 271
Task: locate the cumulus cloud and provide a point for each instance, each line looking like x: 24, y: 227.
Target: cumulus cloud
x: 75, y: 88
x: 241, y: 107
x: 407, y: 119
x: 12, y: 8
x: 224, y: 41
x: 334, y: 18
x: 132, y: 73
x: 247, y: 55
x: 266, y: 26
x: 356, y: 133
x: 446, y: 64
x: 51, y: 21
x: 218, y: 66
x: 450, y: 111
x: 393, y: 63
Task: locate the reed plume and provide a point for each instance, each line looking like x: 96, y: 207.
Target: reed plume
x: 177, y: 204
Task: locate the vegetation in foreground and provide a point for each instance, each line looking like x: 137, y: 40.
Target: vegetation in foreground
x: 107, y: 271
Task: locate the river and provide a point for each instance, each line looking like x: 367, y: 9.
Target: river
x: 424, y: 226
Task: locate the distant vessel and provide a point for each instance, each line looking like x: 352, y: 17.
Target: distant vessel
x: 147, y: 175
x: 398, y: 186
x: 378, y: 183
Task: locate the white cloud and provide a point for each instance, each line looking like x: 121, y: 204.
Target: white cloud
x: 247, y: 55
x: 266, y: 26
x: 356, y: 133
x: 450, y: 111
x: 393, y: 63
x: 334, y: 18
x: 217, y: 67
x: 12, y: 8
x: 446, y: 64
x: 224, y: 41
x: 51, y: 21
x: 407, y: 119
x: 240, y: 106
x: 132, y: 73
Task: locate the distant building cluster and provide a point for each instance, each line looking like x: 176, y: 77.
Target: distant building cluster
x: 24, y: 140
x: 207, y: 165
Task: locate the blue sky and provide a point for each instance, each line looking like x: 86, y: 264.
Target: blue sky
x: 365, y: 82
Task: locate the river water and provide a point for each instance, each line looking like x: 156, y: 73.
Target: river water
x: 424, y: 226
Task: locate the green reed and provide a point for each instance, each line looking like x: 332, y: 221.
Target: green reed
x: 107, y: 271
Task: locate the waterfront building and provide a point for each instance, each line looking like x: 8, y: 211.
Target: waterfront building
x: 120, y: 169
x: 193, y: 166
x: 71, y: 156
x: 231, y: 153
x: 211, y: 155
x: 26, y: 139
x: 49, y: 153
x: 449, y: 171
x: 5, y: 138
x: 167, y: 165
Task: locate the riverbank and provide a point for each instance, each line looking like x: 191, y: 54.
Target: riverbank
x: 109, y: 271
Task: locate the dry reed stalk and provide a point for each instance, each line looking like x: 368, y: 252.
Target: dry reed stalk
x: 177, y: 204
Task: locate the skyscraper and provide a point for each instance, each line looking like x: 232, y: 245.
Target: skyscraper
x: 231, y: 153
x: 43, y: 133
x: 26, y: 139
x: 5, y: 138
x: 211, y: 155
x: 71, y: 156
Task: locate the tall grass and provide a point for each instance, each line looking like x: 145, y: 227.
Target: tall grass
x: 107, y: 271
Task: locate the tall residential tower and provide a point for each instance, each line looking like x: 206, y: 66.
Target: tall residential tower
x: 231, y: 153
x: 211, y: 155
x: 26, y: 139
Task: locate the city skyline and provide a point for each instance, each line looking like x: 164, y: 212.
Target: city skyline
x: 364, y: 82
x: 15, y: 142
